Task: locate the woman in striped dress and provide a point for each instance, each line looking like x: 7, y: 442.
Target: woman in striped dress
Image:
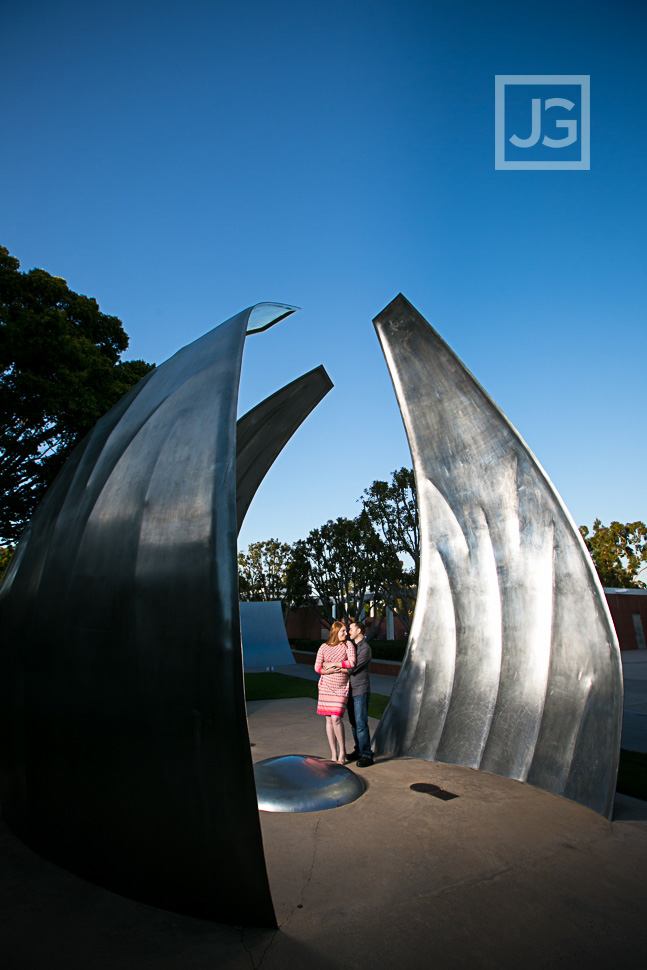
x: 334, y: 660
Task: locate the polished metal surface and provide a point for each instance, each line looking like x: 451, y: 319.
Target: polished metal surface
x: 264, y: 431
x: 513, y: 664
x: 298, y: 783
x: 123, y: 713
x: 265, y: 642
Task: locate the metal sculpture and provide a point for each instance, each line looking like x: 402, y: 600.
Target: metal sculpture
x: 264, y: 431
x: 299, y: 783
x: 513, y: 664
x: 265, y: 642
x: 127, y: 735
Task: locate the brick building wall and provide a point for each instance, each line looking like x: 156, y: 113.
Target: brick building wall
x: 305, y: 623
x: 628, y: 609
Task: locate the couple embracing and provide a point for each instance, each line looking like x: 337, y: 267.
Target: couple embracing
x: 342, y: 663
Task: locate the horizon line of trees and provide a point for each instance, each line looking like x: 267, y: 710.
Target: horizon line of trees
x: 345, y: 562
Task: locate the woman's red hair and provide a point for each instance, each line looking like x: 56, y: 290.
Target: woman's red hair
x: 334, y: 630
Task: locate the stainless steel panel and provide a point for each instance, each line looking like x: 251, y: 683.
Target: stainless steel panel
x: 513, y: 664
x: 264, y: 431
x: 126, y: 734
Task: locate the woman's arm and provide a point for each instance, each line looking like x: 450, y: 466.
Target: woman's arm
x: 319, y: 660
x: 350, y: 653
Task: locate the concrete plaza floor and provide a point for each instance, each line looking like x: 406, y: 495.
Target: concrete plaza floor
x: 501, y: 876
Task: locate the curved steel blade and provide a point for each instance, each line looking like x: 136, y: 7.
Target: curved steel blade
x: 513, y: 664
x: 127, y: 733
x: 264, y: 431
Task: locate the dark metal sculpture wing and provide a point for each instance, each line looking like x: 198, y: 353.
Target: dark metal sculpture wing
x: 513, y: 664
x: 264, y: 431
x: 127, y: 733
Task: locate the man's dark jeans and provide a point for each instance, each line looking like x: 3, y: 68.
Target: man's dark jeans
x: 358, y: 717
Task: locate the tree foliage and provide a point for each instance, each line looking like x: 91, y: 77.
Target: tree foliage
x: 393, y: 509
x: 6, y: 553
x: 619, y: 552
x: 341, y: 563
x: 265, y: 572
x: 60, y: 370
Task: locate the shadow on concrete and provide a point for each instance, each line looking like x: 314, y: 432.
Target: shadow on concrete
x: 53, y: 919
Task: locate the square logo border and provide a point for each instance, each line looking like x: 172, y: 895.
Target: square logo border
x: 500, y: 83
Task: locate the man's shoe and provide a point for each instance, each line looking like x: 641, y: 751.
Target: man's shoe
x: 353, y: 756
x: 365, y: 762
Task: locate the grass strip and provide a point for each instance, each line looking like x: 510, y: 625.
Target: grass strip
x: 632, y: 773
x: 275, y: 686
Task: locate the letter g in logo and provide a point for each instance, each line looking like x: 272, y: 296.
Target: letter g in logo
x: 571, y: 126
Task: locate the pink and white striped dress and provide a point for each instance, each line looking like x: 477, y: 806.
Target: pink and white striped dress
x: 333, y: 688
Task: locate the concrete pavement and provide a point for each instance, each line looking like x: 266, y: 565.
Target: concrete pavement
x: 501, y: 876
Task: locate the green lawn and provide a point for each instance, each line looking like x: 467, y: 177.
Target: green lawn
x: 632, y: 774
x: 265, y: 687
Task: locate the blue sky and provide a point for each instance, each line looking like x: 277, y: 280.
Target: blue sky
x: 181, y: 161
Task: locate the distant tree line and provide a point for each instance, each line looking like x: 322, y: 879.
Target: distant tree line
x: 344, y: 563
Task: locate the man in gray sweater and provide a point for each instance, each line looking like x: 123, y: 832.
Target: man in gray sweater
x: 360, y: 691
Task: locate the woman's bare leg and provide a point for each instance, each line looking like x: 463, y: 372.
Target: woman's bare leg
x: 330, y: 734
x: 338, y: 728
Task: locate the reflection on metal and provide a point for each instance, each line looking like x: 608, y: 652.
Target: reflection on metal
x: 126, y: 740
x: 264, y: 431
x: 513, y: 664
x: 298, y: 783
x: 265, y: 642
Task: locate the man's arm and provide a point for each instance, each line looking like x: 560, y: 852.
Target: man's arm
x: 364, y: 657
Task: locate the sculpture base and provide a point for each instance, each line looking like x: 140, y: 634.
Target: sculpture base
x: 299, y: 783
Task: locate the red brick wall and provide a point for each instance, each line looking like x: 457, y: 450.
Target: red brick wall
x: 622, y: 607
x: 305, y: 623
